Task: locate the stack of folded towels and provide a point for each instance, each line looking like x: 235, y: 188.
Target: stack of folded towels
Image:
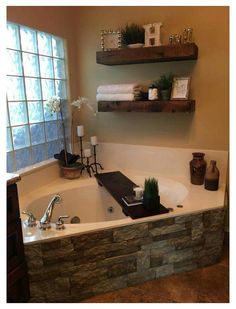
x: 119, y: 92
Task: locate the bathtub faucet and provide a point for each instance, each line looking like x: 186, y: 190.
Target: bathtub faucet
x: 45, y: 221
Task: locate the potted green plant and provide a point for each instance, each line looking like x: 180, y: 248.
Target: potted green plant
x: 70, y: 167
x: 164, y: 85
x: 151, y: 198
x: 132, y: 35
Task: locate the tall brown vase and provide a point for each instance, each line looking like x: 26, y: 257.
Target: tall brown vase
x: 197, y: 168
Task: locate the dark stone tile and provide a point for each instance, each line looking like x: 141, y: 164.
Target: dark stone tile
x: 161, y: 223
x: 172, y: 235
x: 119, y: 269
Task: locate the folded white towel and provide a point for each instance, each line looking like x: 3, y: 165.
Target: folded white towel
x: 119, y: 88
x: 118, y: 97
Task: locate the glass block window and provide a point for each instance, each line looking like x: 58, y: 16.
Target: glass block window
x: 36, y: 71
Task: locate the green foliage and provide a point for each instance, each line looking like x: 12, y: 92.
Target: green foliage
x: 164, y: 82
x: 71, y: 158
x: 151, y: 188
x: 132, y: 34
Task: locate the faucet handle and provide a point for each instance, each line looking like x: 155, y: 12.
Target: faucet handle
x: 60, y: 222
x: 31, y: 221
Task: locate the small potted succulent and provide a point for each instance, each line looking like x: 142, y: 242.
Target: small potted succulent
x: 164, y: 85
x: 151, y: 197
x: 132, y: 36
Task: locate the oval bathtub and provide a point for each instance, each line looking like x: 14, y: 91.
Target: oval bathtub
x: 108, y: 250
x: 92, y: 204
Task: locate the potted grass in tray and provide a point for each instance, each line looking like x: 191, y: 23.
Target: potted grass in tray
x: 132, y: 36
x: 151, y: 197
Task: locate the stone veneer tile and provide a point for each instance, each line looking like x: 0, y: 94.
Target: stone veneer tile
x: 178, y: 256
x: 143, y: 260
x: 88, y: 277
x: 188, y: 242
x: 92, y: 238
x: 119, y: 269
x: 131, y: 232
x: 167, y: 229
x: 77, y: 267
x: 183, y: 219
x: 139, y: 277
x: 164, y: 270
x: 185, y: 266
x: 172, y: 235
x: 126, y: 258
x: 78, y: 260
x: 214, y: 238
x: 160, y: 223
x: 156, y: 260
x: 110, y: 285
x: 160, y: 244
x: 56, y: 244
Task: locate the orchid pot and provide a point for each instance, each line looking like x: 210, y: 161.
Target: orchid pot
x: 71, y: 172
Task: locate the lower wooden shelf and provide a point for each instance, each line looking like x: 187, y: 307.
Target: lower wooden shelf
x: 172, y: 106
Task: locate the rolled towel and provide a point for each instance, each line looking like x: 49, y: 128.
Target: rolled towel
x: 118, y: 88
x: 118, y: 97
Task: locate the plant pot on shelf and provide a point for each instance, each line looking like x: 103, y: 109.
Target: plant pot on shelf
x: 71, y: 172
x: 165, y: 94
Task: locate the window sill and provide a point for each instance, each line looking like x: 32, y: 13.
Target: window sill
x: 36, y: 167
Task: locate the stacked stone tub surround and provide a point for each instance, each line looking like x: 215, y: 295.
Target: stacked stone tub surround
x: 78, y: 267
x: 96, y: 257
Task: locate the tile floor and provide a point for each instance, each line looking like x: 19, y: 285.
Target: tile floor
x: 206, y: 285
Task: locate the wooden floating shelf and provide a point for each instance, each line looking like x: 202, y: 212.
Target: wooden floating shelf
x: 173, y: 106
x: 162, y: 53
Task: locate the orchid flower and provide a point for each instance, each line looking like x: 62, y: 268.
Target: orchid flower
x: 54, y: 104
x: 83, y: 101
x: 79, y: 102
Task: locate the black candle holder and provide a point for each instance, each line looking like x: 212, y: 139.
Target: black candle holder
x: 87, y: 165
x: 95, y: 163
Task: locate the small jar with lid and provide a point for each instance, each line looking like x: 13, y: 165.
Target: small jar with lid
x: 152, y: 93
x: 212, y: 177
x: 197, y: 168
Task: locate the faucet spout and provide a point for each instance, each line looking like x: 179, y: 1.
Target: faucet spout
x: 45, y: 221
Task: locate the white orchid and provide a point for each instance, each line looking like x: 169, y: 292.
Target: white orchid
x: 83, y: 101
x: 54, y: 104
x: 79, y: 102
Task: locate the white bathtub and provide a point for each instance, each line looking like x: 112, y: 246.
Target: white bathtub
x: 97, y: 209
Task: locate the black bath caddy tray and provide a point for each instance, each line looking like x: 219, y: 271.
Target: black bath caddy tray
x: 118, y: 185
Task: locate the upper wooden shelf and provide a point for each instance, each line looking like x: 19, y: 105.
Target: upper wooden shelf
x: 172, y: 106
x: 162, y: 53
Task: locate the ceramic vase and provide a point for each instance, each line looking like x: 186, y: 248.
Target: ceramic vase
x: 197, y: 168
x: 212, y: 177
x: 70, y: 172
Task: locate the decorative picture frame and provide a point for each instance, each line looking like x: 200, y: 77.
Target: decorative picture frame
x: 180, y: 88
x: 110, y: 39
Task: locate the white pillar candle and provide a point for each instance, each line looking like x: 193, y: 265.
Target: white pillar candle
x: 87, y: 153
x: 80, y: 130
x: 94, y: 140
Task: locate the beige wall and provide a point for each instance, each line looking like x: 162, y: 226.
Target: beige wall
x: 206, y: 128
